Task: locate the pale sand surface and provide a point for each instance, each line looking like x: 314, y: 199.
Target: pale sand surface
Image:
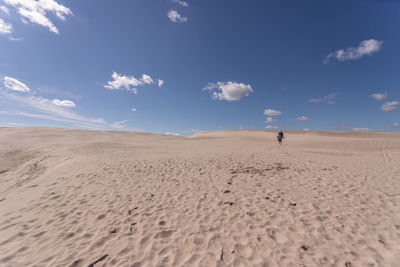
x: 235, y: 198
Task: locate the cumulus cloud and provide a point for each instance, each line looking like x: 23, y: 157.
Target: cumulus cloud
x: 147, y: 79
x: 174, y: 16
x: 63, y: 103
x: 180, y: 2
x: 396, y: 125
x: 127, y: 82
x: 4, y: 10
x: 271, y: 112
x: 390, y: 106
x: 379, y: 96
x: 36, y: 11
x: 5, y: 28
x: 306, y: 129
x: 133, y: 109
x: 269, y: 120
x: 15, y: 85
x: 271, y: 127
x: 160, y: 83
x: 366, y: 47
x: 301, y: 118
x: 229, y: 91
x: 329, y: 99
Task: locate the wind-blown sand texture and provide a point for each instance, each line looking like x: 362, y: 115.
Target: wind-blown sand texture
x: 234, y: 198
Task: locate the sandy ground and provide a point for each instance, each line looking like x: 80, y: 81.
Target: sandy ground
x: 235, y: 198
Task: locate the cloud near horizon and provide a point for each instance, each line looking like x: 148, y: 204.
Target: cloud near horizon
x: 36, y: 11
x: 229, y: 91
x: 39, y: 107
x: 302, y: 118
x: 174, y: 16
x: 361, y: 129
x: 366, y: 47
x: 271, y: 127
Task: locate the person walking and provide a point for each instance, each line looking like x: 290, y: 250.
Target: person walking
x: 280, y: 137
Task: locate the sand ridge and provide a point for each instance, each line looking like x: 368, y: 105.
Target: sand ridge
x: 234, y: 198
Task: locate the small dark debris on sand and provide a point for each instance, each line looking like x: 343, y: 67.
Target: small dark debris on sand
x: 3, y: 171
x: 130, y: 211
x: 99, y: 260
x: 304, y: 247
x: 227, y: 191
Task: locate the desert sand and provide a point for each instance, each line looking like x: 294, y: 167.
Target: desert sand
x: 232, y: 198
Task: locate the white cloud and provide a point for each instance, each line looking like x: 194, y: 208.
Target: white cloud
x: 133, y: 109
x: 180, y: 2
x: 5, y: 10
x: 390, y: 106
x: 396, y: 125
x: 379, y: 96
x: 302, y: 118
x: 16, y: 124
x: 5, y: 28
x: 306, y: 129
x: 36, y: 11
x: 361, y: 129
x: 229, y: 91
x: 174, y: 134
x: 160, y: 83
x: 147, y: 79
x: 174, y: 16
x: 43, y: 108
x: 14, y: 84
x: 271, y: 127
x: 271, y: 112
x: 269, y: 120
x: 16, y: 38
x: 63, y: 103
x: 119, y: 124
x: 127, y: 82
x: 366, y: 47
x: 329, y: 99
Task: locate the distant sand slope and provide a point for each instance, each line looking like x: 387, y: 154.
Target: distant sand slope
x: 92, y: 198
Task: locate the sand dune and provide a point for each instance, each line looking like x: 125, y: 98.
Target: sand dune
x: 234, y: 198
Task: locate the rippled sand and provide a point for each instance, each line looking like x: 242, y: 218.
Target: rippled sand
x: 76, y: 198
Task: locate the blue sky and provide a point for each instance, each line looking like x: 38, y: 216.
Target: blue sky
x: 185, y: 66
